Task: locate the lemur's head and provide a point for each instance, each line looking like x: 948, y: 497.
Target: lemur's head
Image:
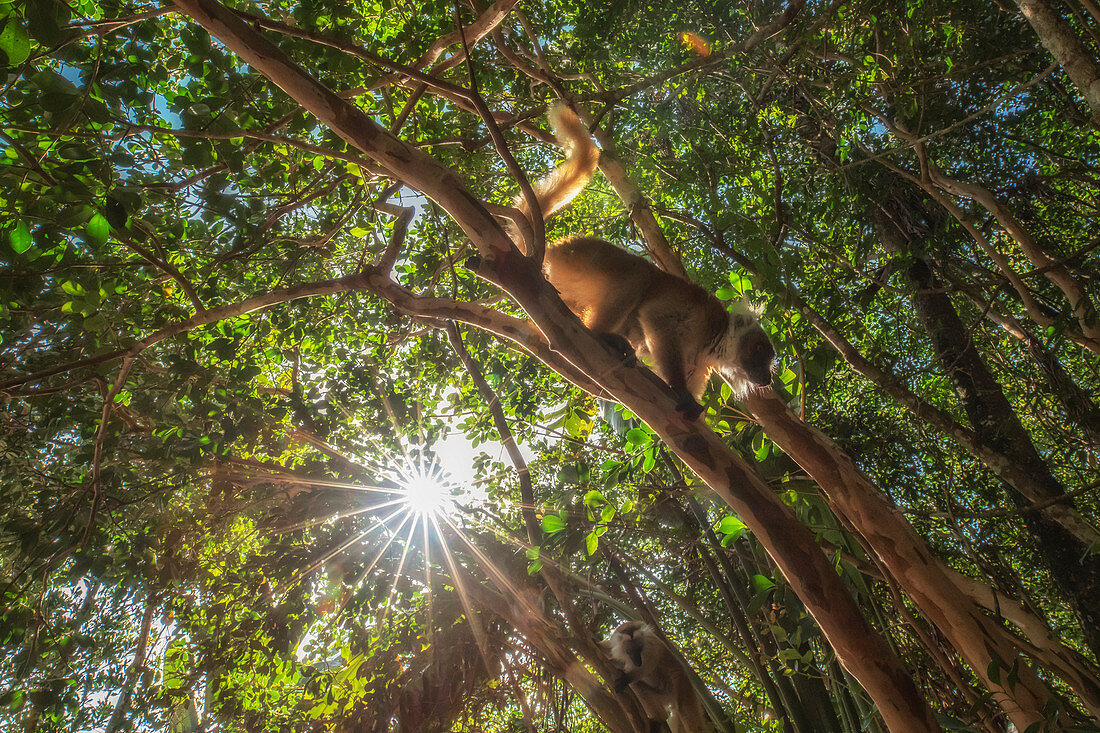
x: 625, y: 645
x: 746, y: 355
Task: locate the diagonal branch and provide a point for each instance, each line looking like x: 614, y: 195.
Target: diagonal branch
x: 175, y: 274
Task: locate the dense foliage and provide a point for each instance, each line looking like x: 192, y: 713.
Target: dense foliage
x: 213, y: 434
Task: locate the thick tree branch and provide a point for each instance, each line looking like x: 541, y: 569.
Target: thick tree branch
x: 908, y: 558
x: 1060, y: 39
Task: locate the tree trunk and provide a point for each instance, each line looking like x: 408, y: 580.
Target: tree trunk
x: 1059, y: 38
x: 976, y: 638
x: 1075, y: 400
x: 1074, y: 569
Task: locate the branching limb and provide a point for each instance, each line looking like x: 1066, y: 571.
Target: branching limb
x: 493, y: 16
x: 279, y: 212
x: 162, y: 264
x: 404, y: 216
x: 211, y: 315
x: 507, y: 439
x: 934, y: 183
x: 536, y: 246
x: 96, y: 485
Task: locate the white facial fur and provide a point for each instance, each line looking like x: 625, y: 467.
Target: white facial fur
x: 744, y: 326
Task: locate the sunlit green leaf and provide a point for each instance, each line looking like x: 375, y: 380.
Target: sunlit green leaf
x: 552, y: 523
x: 20, y: 237
x: 14, y: 42
x: 98, y: 229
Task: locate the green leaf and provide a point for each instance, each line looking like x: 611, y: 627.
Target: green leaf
x: 591, y: 542
x: 552, y: 523
x: 993, y: 671
x: 20, y: 238
x: 731, y: 527
x: 47, y: 21
x: 569, y: 474
x: 594, y: 498
x: 1013, y: 675
x: 761, y: 583
x: 14, y: 42
x: 741, y: 284
x: 96, y: 323
x: 762, y: 446
x: 49, y: 82
x: 98, y: 229
x: 115, y: 211
x: 577, y: 426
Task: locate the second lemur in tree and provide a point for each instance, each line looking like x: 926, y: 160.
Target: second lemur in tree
x: 683, y: 330
x: 656, y: 677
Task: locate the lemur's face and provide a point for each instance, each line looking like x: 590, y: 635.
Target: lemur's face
x: 755, y: 355
x: 746, y: 354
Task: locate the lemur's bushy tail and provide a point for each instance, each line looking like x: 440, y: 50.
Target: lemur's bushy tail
x: 581, y: 155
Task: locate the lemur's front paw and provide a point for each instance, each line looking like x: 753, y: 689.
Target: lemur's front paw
x: 620, y: 346
x: 690, y: 409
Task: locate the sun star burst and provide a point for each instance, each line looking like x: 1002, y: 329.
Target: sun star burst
x: 426, y: 490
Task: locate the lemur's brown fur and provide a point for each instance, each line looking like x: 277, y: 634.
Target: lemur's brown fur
x: 683, y: 330
x: 656, y: 677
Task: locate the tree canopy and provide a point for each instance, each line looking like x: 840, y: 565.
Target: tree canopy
x: 276, y: 458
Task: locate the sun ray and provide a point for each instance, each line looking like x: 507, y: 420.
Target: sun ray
x: 332, y: 517
x: 378, y: 555
x: 293, y: 479
x: 545, y: 558
x: 428, y: 576
x: 425, y: 486
x: 463, y: 596
x: 501, y: 580
x: 422, y: 493
x: 299, y: 576
x: 374, y: 561
x: 397, y: 573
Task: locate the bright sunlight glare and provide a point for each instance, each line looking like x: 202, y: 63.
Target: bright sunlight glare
x: 427, y: 492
